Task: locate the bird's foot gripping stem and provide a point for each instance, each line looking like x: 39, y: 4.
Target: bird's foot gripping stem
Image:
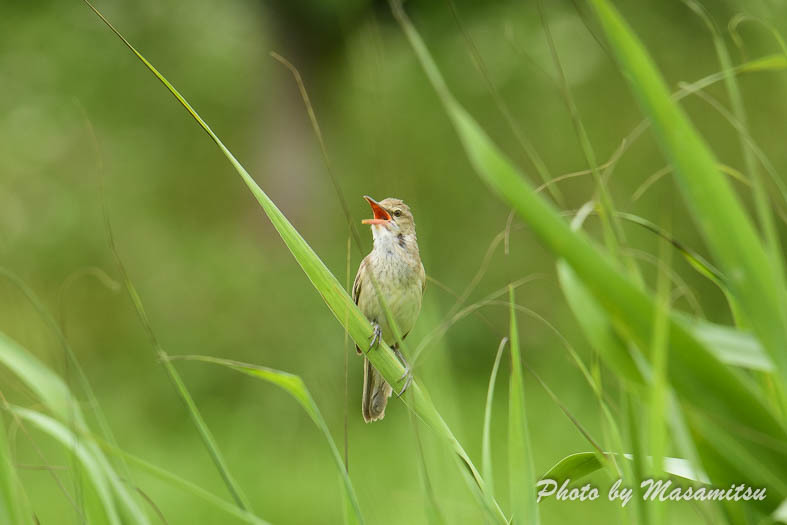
x: 407, y: 377
x: 377, y: 336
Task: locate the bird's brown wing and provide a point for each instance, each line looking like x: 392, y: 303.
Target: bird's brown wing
x: 356, y: 291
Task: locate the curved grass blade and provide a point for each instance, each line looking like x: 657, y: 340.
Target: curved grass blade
x: 12, y: 508
x: 94, y: 469
x: 486, y: 436
x: 183, y: 484
x: 596, y: 325
x: 46, y: 385
x: 780, y: 514
x: 521, y: 137
x: 334, y: 294
x: 761, y: 201
x: 754, y: 280
x: 574, y: 467
x: 723, y: 458
x: 613, y: 233
x: 293, y: 385
x: 520, y: 460
x: 59, y: 400
x: 581, y: 464
x: 74, y: 416
x: 697, y: 261
x: 731, y: 346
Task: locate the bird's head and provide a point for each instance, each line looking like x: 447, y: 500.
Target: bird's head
x: 390, y: 216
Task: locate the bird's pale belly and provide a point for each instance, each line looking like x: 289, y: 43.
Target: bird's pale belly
x: 404, y: 303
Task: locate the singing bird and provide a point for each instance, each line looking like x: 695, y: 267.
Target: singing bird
x: 395, y: 265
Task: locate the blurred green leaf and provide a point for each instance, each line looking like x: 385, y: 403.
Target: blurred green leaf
x: 698, y: 377
x: 780, y: 514
x: 56, y: 396
x: 294, y: 386
x: 581, y: 464
x: 97, y: 472
x: 47, y: 385
x: 697, y: 262
x: 574, y: 467
x: 751, y: 275
x: 486, y: 435
x: 183, y: 484
x: 12, y: 508
x: 520, y: 459
x: 434, y: 516
x: 202, y: 427
x: 768, y: 63
x: 596, y: 325
x: 731, y: 346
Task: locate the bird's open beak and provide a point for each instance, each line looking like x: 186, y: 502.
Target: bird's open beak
x: 380, y: 215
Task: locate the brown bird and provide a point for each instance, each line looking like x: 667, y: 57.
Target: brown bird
x: 395, y: 264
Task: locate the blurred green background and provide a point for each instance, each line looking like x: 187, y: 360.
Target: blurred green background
x: 78, y: 111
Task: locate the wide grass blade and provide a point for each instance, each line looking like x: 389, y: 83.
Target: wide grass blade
x: 761, y: 201
x: 45, y: 384
x: 754, y: 280
x: 581, y: 464
x: 780, y: 514
x: 698, y: 377
x: 334, y: 294
x: 596, y: 325
x: 293, y: 385
x: 520, y: 460
x: 730, y: 346
x: 574, y: 467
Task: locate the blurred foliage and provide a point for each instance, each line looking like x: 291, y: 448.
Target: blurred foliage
x: 78, y: 113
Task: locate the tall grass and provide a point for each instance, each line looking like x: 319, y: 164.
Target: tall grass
x: 717, y: 400
x: 686, y: 384
x: 339, y: 302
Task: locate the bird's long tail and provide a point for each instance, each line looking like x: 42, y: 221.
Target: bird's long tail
x: 375, y: 393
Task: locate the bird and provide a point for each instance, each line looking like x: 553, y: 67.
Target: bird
x: 395, y: 265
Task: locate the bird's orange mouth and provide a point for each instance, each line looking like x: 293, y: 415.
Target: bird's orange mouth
x: 380, y: 215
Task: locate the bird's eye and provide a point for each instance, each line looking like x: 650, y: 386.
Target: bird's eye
x: 397, y: 213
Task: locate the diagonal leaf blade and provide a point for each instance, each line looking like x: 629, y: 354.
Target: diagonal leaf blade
x: 94, y: 469
x: 59, y: 400
x: 293, y: 385
x: 11, y: 506
x: 752, y: 277
x: 520, y: 460
x: 334, y: 295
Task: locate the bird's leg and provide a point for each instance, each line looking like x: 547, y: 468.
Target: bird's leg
x: 377, y: 335
x: 407, y: 376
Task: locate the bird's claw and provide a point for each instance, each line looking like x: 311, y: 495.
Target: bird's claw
x: 408, y: 375
x: 408, y: 378
x: 376, y: 337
